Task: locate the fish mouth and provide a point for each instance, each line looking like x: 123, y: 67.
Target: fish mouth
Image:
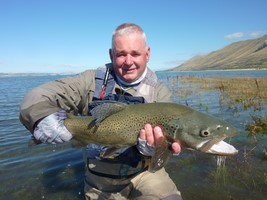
x: 218, y: 147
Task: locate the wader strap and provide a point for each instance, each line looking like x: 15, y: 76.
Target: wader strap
x: 104, y: 82
x: 143, y: 168
x: 104, y: 85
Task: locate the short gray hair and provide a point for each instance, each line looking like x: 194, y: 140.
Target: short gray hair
x: 125, y: 29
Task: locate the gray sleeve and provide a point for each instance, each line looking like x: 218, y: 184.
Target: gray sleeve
x: 71, y: 94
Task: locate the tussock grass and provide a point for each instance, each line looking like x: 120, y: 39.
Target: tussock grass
x: 259, y: 125
x: 247, y: 169
x: 234, y: 92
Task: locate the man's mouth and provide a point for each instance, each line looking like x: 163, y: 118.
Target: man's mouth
x: 129, y: 70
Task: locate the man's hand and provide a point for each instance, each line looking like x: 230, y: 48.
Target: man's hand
x: 51, y: 129
x: 151, y: 136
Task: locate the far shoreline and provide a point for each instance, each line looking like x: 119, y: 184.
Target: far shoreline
x: 214, y: 70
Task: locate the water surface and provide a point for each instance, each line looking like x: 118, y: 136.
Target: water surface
x: 57, y: 171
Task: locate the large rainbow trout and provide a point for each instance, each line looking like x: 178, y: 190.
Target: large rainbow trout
x: 118, y: 125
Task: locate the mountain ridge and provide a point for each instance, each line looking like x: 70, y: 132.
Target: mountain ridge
x: 247, y: 54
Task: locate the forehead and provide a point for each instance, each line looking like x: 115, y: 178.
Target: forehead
x: 132, y: 41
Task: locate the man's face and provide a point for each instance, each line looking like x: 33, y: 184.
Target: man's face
x: 129, y: 56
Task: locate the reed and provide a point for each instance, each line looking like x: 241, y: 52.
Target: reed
x: 259, y: 125
x: 236, y: 93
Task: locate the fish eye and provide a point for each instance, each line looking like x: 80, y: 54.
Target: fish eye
x: 204, y: 133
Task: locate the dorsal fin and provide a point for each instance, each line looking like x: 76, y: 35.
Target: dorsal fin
x: 71, y: 116
x: 104, y: 110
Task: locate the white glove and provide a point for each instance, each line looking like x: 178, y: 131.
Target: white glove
x: 144, y: 148
x: 51, y: 129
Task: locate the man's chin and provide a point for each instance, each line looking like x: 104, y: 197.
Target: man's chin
x: 129, y: 78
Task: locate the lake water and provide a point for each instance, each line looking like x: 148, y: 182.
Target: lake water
x: 57, y: 171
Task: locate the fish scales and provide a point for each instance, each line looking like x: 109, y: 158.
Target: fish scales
x: 119, y: 124
x: 125, y: 125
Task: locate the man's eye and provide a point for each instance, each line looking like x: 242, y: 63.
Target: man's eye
x: 135, y: 55
x: 120, y: 55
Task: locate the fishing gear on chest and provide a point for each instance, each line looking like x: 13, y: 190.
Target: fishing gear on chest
x: 105, y: 83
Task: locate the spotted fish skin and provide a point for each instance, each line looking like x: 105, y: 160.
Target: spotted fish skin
x: 118, y: 125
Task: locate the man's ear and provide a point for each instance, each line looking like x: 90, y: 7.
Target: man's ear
x: 148, y: 54
x: 111, y: 55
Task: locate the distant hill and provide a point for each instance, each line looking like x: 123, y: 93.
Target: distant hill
x: 248, y: 54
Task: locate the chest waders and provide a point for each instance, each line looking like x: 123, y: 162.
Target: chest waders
x: 126, y: 162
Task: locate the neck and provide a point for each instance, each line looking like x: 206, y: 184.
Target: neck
x: 128, y: 84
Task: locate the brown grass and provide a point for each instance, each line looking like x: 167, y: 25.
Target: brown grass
x: 259, y: 125
x: 235, y: 93
x: 248, y: 92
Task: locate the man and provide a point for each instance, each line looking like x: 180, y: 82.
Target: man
x: 127, y: 79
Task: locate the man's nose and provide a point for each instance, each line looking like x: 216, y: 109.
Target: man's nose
x: 128, y: 60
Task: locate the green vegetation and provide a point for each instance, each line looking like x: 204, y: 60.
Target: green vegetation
x: 240, y: 97
x: 236, y: 93
x: 259, y: 125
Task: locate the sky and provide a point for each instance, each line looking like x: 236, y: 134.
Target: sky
x: 71, y: 36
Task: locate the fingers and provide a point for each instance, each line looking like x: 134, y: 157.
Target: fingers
x: 158, y: 133
x: 142, y: 134
x: 152, y: 135
x: 149, y: 134
x: 176, y: 148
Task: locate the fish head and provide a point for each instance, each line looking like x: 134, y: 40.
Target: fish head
x: 204, y: 133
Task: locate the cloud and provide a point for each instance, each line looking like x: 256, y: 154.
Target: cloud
x: 257, y: 33
x: 238, y: 35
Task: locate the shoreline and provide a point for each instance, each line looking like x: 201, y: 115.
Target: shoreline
x: 214, y: 70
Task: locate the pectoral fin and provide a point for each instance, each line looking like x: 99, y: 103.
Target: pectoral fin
x: 109, y: 153
x: 161, y: 156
